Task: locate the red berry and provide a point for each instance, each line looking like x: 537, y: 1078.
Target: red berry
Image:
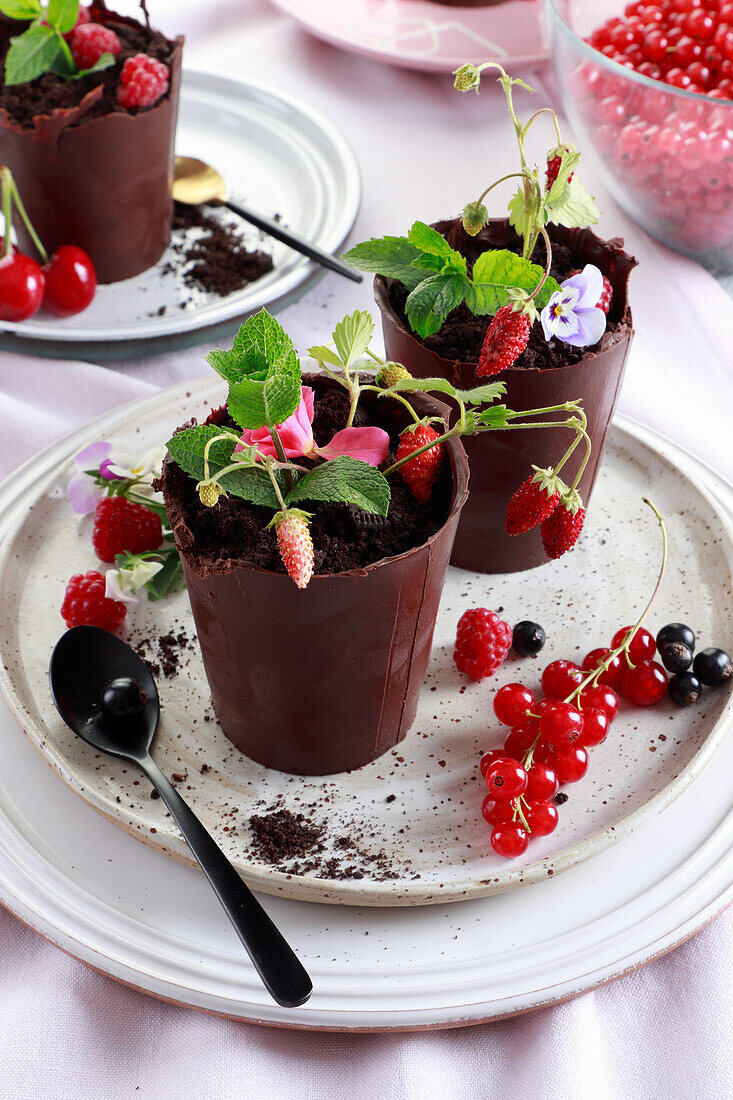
x: 604, y: 302
x: 542, y: 818
x: 482, y: 642
x: 534, y: 500
x: 643, y: 644
x: 509, y: 841
x: 506, y: 778
x: 121, y: 525
x: 613, y: 675
x: 71, y: 281
x: 488, y: 759
x: 83, y: 16
x: 601, y: 696
x: 595, y: 727
x: 89, y: 41
x: 420, y: 473
x: 561, y: 530
x: 560, y: 678
x: 85, y: 603
x: 21, y: 287
x: 542, y: 783
x: 561, y: 723
x: 295, y: 545
x: 554, y: 161
x: 569, y: 762
x: 511, y: 704
x: 645, y: 684
x: 506, y: 338
x: 520, y: 740
x: 143, y: 81
x: 497, y: 811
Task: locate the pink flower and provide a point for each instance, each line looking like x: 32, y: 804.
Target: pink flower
x: 369, y: 445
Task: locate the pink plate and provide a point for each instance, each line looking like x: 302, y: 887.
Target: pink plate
x: 432, y: 37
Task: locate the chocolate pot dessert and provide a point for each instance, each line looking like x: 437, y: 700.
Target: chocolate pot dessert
x: 500, y: 461
x: 327, y: 678
x: 89, y: 171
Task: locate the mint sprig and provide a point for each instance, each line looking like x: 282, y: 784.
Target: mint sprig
x: 42, y: 47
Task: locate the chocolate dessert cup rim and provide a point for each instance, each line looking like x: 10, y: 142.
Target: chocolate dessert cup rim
x: 460, y: 473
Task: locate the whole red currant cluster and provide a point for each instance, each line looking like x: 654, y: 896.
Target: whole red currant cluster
x: 672, y: 155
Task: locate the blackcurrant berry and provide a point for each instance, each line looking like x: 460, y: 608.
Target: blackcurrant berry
x: 123, y: 698
x: 712, y: 667
x: 684, y: 689
x: 676, y: 656
x: 676, y: 632
x: 528, y: 638
x: 561, y: 798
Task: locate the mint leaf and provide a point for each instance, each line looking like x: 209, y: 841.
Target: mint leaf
x: 254, y: 404
x: 346, y: 480
x: 431, y: 302
x: 21, y: 9
x: 352, y: 335
x: 260, y: 344
x: 388, y: 256
x: 429, y: 240
x: 254, y: 485
x: 104, y: 62
x: 62, y: 14
x: 161, y: 583
x: 251, y: 483
x: 577, y: 210
x: 495, y: 271
x: 31, y: 54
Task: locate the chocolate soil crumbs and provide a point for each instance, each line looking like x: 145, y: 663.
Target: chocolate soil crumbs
x: 210, y: 253
x: 164, y: 655
x: 462, y: 334
x: 344, y: 537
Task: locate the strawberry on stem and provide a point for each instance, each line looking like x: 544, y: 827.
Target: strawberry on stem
x: 561, y: 530
x: 506, y: 338
x: 421, y: 472
x: 295, y: 544
x: 532, y: 503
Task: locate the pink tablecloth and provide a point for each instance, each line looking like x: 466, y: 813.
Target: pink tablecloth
x: 666, y: 1031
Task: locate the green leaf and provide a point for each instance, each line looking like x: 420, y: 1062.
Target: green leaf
x: 253, y: 484
x: 429, y: 240
x: 161, y: 583
x: 578, y: 208
x: 21, y: 9
x: 352, y: 335
x: 323, y: 354
x: 62, y: 14
x: 260, y: 345
x: 431, y: 302
x: 186, y: 448
x: 557, y: 193
x: 518, y: 212
x: 106, y: 61
x: 388, y: 256
x: 254, y: 404
x: 424, y: 385
x: 346, y: 480
x: 482, y: 395
x: 495, y: 271
x: 494, y: 417
x: 31, y: 54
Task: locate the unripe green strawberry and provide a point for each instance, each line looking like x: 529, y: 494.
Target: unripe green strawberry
x: 390, y: 374
x: 474, y: 218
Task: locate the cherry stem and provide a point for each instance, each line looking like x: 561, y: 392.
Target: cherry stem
x: 592, y: 677
x: 10, y: 183
x: 280, y: 451
x: 7, y: 211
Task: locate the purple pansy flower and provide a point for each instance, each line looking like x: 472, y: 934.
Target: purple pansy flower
x: 572, y: 313
x: 83, y: 493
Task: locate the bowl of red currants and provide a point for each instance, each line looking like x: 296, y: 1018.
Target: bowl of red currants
x: 648, y: 87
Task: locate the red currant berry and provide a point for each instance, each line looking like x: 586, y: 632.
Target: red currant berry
x: 506, y: 778
x: 561, y: 724
x: 613, y: 675
x: 569, y: 762
x: 520, y: 740
x: 643, y: 645
x: 21, y: 287
x: 497, y: 811
x: 511, y: 704
x: 71, y: 281
x: 490, y: 758
x: 542, y: 783
x: 509, y: 841
x: 542, y: 818
x: 560, y: 678
x: 601, y: 696
x: 645, y: 684
x: 595, y: 727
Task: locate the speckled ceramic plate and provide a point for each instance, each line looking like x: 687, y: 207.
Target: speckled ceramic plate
x: 406, y: 829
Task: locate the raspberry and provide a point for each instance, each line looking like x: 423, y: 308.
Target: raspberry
x: 506, y: 338
x: 604, y: 302
x: 143, y: 81
x: 560, y: 531
x: 89, y: 41
x: 85, y: 603
x: 535, y: 499
x: 120, y: 525
x: 482, y: 642
x: 295, y: 545
x: 83, y: 16
x: 421, y: 472
x: 554, y: 161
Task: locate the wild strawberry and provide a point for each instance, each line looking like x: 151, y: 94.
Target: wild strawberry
x: 604, y: 302
x: 120, y: 525
x: 482, y: 642
x: 554, y: 161
x: 143, y: 81
x: 506, y: 338
x: 89, y: 41
x: 295, y: 544
x: 560, y: 531
x: 391, y: 373
x: 85, y: 603
x: 420, y: 473
x: 535, y: 499
x: 209, y: 492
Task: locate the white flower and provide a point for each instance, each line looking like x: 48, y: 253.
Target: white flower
x: 122, y: 583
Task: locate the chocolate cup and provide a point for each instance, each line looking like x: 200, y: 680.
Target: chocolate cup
x: 324, y: 679
x: 105, y: 184
x: 500, y: 461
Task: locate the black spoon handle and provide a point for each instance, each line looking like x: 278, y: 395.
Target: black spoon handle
x: 296, y: 242
x: 275, y: 961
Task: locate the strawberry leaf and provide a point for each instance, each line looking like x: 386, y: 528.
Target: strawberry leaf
x: 352, y: 335
x: 346, y: 480
x: 482, y: 395
x: 424, y: 385
x: 430, y: 303
x: 576, y: 210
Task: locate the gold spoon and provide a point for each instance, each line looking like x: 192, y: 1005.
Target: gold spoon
x: 196, y: 182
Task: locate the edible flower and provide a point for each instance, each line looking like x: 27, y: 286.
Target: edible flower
x: 369, y: 445
x: 123, y: 583
x: 112, y: 460
x: 572, y: 314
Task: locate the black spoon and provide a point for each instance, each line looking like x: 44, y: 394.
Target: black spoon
x: 106, y: 694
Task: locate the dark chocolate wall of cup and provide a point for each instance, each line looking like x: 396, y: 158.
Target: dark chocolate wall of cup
x: 325, y: 679
x: 500, y: 461
x: 104, y: 184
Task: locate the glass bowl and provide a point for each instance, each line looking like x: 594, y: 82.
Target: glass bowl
x: 666, y: 153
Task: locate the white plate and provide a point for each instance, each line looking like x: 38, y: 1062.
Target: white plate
x: 279, y: 157
x: 434, y: 38
x: 154, y: 924
x: 416, y: 809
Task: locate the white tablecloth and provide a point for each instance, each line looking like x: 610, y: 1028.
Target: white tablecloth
x: 666, y: 1031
